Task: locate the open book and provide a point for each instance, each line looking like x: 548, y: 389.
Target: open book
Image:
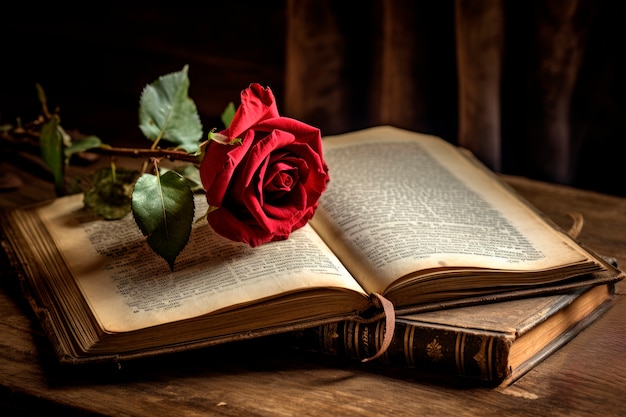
x: 408, y: 217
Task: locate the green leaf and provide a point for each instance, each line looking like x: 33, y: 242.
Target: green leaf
x: 110, y: 192
x: 228, y: 114
x: 167, y: 112
x: 41, y: 95
x: 82, y: 145
x: 51, y: 145
x: 191, y: 173
x: 163, y: 209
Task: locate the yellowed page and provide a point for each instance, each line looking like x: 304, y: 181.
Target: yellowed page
x: 129, y: 287
x: 400, y: 202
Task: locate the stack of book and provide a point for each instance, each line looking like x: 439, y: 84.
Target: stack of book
x: 473, y: 280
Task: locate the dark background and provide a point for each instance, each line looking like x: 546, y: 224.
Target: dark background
x: 93, y: 60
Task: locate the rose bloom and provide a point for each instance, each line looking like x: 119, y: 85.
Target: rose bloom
x: 269, y: 185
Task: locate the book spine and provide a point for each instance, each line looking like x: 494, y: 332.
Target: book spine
x: 445, y: 351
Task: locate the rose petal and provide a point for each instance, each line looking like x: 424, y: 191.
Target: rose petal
x: 227, y: 225
x: 257, y: 104
x: 270, y: 184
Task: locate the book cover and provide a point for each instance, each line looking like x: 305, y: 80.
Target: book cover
x: 495, y: 343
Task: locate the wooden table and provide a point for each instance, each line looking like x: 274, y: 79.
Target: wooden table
x: 587, y: 377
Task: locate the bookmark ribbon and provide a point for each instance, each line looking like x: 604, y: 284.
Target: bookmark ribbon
x: 577, y: 224
x: 390, y: 324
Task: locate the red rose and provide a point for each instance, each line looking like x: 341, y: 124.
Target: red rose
x: 269, y: 185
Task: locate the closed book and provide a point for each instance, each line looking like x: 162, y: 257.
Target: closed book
x: 495, y: 343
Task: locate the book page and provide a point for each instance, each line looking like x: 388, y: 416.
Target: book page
x: 400, y: 202
x: 129, y: 287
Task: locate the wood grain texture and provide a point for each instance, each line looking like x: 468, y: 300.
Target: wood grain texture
x: 587, y: 377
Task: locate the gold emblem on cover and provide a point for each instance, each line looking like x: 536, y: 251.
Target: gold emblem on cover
x: 433, y: 350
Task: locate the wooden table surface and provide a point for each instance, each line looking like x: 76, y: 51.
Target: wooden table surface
x: 587, y: 377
